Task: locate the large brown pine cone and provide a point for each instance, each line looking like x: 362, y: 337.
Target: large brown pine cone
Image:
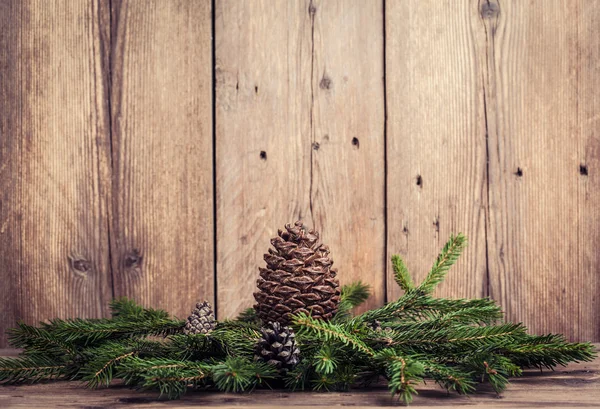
x: 298, y: 278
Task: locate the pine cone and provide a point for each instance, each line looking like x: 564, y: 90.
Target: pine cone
x: 298, y: 278
x: 202, y: 320
x: 277, y: 347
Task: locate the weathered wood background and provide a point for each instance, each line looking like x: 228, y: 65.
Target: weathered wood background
x: 151, y: 149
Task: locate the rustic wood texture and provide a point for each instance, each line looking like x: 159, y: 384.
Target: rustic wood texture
x: 162, y: 229
x: 347, y: 128
x: 576, y: 386
x: 544, y: 149
x: 54, y: 172
x: 299, y: 136
x: 263, y: 76
x: 107, y: 177
x: 436, y: 141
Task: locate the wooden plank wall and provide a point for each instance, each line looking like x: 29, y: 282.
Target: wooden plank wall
x: 151, y: 149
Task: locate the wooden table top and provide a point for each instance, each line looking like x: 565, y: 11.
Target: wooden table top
x: 577, y: 385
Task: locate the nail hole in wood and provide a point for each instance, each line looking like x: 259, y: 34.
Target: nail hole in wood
x: 419, y: 181
x: 316, y: 146
x: 263, y: 155
x: 312, y: 9
x: 237, y: 86
x: 436, y: 223
x: 519, y: 172
x: 256, y: 89
x: 583, y: 170
x: 355, y: 143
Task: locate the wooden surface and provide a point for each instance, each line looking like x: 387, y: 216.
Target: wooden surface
x: 544, y: 146
x: 125, y: 169
x: 577, y: 386
x: 320, y: 159
x: 436, y: 142
x: 54, y: 169
x: 262, y: 172
x: 162, y: 229
x: 347, y: 128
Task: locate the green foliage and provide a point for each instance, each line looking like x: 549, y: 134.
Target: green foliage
x: 127, y: 309
x: 455, y: 342
x: 325, y: 360
x: 30, y: 369
x: 445, y: 260
x: 329, y: 332
x: 249, y: 316
x: 239, y: 374
x: 91, y: 331
x: 352, y: 295
x: 401, y: 275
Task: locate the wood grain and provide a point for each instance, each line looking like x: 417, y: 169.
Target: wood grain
x: 436, y: 141
x: 544, y: 164
x: 299, y: 135
x: 54, y: 172
x: 162, y: 231
x: 263, y: 144
x: 347, y: 127
x: 576, y: 386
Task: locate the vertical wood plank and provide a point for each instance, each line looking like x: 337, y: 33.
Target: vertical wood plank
x: 436, y: 145
x: 296, y: 83
x: 54, y: 173
x: 10, y: 150
x: 544, y: 162
x: 263, y: 145
x: 348, y: 160
x: 162, y: 153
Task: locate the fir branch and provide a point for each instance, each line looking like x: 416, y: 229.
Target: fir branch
x: 249, y: 316
x: 402, y: 372
x: 325, y: 360
x: 86, y: 332
x: 410, y: 300
x: 445, y: 260
x: 100, y: 363
x: 236, y: 338
x: 457, y: 337
x: 237, y: 374
x: 401, y: 275
x: 449, y: 377
x: 31, y: 368
x: 352, y: 295
x: 466, y: 316
x: 355, y: 294
x: 195, y: 347
x: 297, y: 378
x: 328, y: 331
x: 547, y: 351
x: 37, y: 340
x: 170, y: 377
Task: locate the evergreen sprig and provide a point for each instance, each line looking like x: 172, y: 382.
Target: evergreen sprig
x: 455, y: 342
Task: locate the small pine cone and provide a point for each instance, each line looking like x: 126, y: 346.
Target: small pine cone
x: 298, y: 278
x: 278, y: 347
x: 202, y: 320
x: 375, y: 325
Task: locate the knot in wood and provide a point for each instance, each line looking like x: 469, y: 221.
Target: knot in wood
x: 132, y: 259
x: 325, y: 82
x: 81, y: 265
x: 489, y: 10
